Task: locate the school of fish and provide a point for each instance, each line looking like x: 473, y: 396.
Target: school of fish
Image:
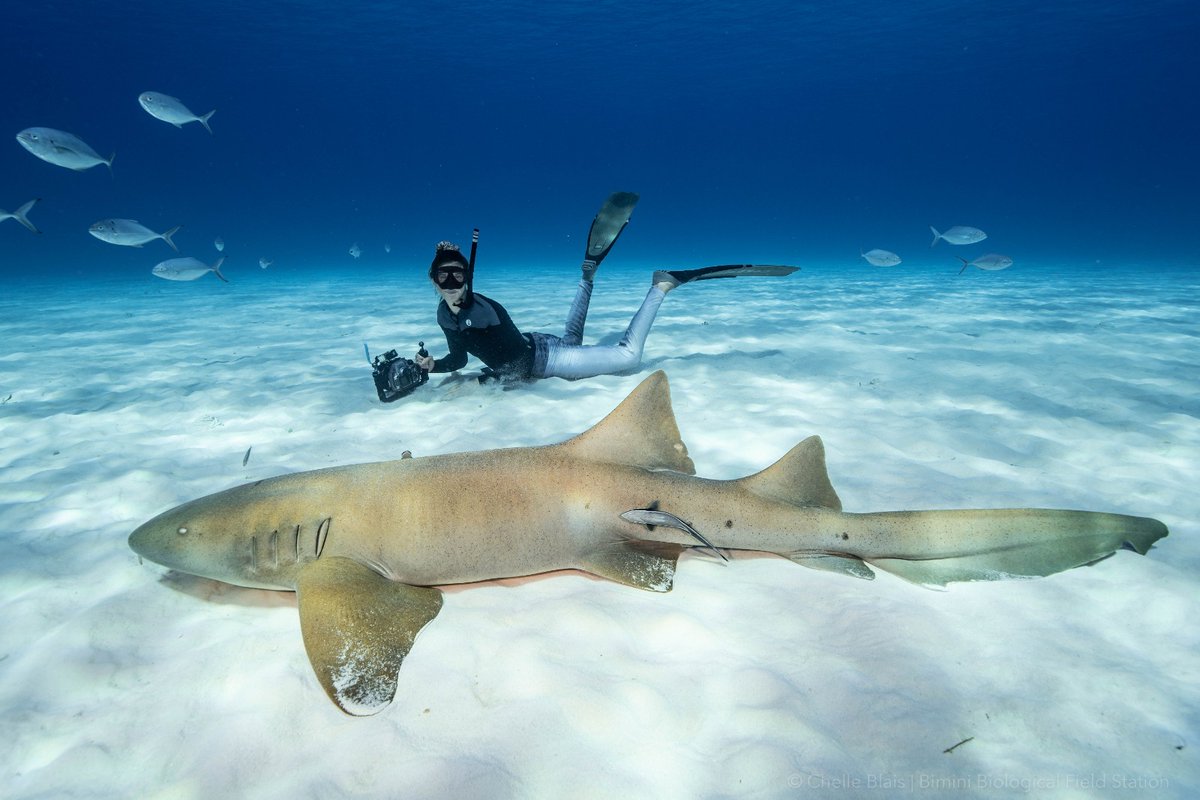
x: 69, y: 151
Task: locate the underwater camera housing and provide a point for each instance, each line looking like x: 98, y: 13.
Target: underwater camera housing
x: 396, y: 377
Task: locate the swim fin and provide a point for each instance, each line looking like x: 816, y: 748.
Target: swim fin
x: 678, y: 277
x: 610, y: 220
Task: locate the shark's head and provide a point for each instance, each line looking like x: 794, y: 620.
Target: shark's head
x: 229, y: 537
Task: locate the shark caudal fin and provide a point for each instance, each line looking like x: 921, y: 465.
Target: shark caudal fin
x: 934, y: 548
x: 641, y: 431
x: 1018, y: 543
x: 799, y: 478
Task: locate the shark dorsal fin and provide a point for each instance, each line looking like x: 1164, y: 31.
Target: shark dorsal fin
x: 799, y: 478
x: 640, y: 431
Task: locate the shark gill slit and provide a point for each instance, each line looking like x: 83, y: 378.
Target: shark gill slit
x: 254, y: 554
x: 275, y: 549
x: 322, y: 533
x: 296, y: 544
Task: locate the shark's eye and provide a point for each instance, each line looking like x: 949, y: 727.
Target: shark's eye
x: 181, y: 531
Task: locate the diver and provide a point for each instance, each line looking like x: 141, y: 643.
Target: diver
x: 479, y: 326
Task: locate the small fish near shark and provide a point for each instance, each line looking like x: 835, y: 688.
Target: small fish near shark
x: 62, y: 149
x: 171, y: 109
x: 130, y: 233
x: 959, y: 234
x: 365, y: 545
x: 187, y: 269
x: 992, y: 262
x: 880, y: 258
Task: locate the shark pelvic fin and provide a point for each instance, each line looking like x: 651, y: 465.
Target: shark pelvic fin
x: 799, y: 478
x: 358, y: 626
x: 828, y: 562
x: 640, y: 431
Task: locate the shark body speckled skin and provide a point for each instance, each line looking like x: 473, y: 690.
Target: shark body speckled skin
x: 364, y: 544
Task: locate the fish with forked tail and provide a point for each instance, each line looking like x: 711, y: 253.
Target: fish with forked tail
x: 364, y: 545
x: 130, y: 233
x: 187, y: 269
x: 21, y: 215
x: 172, y: 110
x: 62, y: 149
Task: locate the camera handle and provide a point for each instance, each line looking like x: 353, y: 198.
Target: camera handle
x: 422, y: 353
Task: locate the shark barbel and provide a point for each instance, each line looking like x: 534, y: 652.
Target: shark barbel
x: 365, y: 545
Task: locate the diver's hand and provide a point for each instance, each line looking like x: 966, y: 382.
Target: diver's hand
x: 425, y: 362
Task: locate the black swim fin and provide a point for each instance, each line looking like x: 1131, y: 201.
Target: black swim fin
x: 677, y: 277
x: 610, y: 220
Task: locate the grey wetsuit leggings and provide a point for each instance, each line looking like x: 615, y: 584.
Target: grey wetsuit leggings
x: 567, y: 357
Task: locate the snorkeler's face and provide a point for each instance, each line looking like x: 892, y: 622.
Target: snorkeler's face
x: 453, y: 297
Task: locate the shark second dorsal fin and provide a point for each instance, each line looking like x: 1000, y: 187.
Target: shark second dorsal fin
x: 640, y: 431
x: 799, y: 478
x: 358, y: 626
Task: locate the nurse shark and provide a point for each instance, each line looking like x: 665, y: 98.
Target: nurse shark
x: 364, y: 546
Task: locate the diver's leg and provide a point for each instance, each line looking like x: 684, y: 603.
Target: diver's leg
x: 577, y: 316
x: 588, y: 361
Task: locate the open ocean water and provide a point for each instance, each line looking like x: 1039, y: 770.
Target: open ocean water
x: 349, y: 138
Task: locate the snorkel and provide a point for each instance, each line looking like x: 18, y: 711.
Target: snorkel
x: 471, y: 260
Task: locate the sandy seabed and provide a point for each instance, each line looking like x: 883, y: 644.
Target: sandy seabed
x: 1031, y: 387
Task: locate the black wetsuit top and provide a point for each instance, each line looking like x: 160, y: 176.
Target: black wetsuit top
x: 485, y: 330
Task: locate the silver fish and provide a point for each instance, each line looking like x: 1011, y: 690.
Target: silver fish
x: 169, y: 109
x: 959, y: 234
x: 130, y: 232
x: 992, y: 261
x: 187, y: 269
x: 265, y: 262
x: 219, y: 243
x: 387, y: 248
x: 20, y: 215
x: 355, y: 250
x: 61, y: 148
x: 880, y: 258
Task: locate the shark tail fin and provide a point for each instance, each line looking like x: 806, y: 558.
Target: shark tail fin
x: 799, y: 478
x: 996, y: 544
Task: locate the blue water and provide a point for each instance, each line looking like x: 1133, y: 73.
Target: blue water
x: 764, y: 131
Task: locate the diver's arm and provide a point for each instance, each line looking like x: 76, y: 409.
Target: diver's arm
x: 456, y: 359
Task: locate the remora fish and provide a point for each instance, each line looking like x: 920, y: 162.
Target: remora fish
x: 21, y: 215
x: 363, y: 545
x: 992, y: 261
x: 130, y: 232
x: 880, y: 258
x: 187, y: 269
x: 959, y: 234
x: 170, y: 109
x: 61, y: 148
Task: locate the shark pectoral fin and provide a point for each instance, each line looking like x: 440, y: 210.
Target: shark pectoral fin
x: 642, y: 565
x: 827, y: 562
x: 358, y: 626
